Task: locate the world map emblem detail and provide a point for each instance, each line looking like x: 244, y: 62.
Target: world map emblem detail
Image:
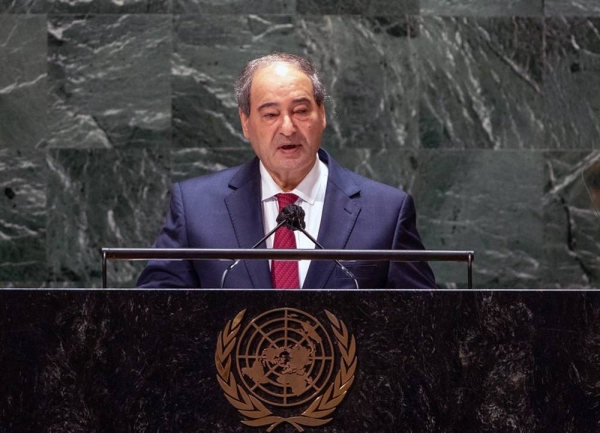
x: 285, y: 358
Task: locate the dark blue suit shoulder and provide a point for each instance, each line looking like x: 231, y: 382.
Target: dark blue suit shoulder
x: 222, y: 180
x: 378, y: 190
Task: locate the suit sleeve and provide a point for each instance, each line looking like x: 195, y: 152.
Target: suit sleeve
x: 409, y: 275
x: 171, y: 273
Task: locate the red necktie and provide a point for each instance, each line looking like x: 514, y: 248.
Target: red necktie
x: 284, y: 273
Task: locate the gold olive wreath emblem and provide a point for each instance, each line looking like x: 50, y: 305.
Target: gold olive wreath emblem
x: 284, y: 358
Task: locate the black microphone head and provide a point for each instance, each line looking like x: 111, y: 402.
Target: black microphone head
x: 293, y: 215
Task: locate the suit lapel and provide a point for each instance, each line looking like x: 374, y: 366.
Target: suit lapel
x: 245, y: 211
x: 340, y: 210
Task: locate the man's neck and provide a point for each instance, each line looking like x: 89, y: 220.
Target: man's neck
x: 304, y: 189
x: 289, y: 181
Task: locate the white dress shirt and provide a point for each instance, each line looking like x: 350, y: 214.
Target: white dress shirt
x: 311, y: 193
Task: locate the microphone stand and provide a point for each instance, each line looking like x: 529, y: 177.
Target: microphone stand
x: 292, y: 216
x: 342, y: 267
x: 231, y: 266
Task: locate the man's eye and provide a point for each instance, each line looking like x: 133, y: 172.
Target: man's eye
x: 302, y: 111
x: 269, y: 115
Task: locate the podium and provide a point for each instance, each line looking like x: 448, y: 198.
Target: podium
x: 235, y: 255
x: 128, y: 360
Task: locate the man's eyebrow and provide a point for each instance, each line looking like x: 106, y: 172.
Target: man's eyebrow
x: 267, y: 104
x: 275, y: 104
x: 301, y: 99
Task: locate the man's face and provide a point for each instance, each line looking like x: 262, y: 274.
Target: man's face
x: 285, y: 125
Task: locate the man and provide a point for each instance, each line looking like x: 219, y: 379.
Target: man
x: 282, y: 112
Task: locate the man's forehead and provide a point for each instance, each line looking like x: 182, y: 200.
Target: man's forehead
x: 279, y: 69
x: 277, y: 74
x: 278, y: 79
x: 283, y: 69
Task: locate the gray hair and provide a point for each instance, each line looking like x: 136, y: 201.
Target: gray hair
x: 244, y: 81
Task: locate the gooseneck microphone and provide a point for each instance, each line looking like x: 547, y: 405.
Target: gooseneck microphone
x: 234, y: 264
x: 292, y: 217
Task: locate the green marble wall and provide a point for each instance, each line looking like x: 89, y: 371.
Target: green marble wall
x: 486, y: 111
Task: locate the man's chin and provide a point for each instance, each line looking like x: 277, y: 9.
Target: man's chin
x: 295, y: 161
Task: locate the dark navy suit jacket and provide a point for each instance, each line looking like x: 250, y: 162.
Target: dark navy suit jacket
x: 223, y: 210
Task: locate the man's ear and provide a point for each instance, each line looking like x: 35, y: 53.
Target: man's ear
x: 323, y: 115
x: 244, y: 121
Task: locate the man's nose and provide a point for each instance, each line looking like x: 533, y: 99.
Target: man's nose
x: 287, y: 126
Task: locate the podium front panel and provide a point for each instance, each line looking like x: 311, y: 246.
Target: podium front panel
x: 318, y: 361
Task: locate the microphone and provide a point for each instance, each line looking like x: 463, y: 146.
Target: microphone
x: 234, y: 264
x: 292, y: 217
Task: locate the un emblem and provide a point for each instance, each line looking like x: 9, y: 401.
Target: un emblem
x: 285, y: 359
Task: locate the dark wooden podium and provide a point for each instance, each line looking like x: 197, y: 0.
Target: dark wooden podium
x: 426, y: 361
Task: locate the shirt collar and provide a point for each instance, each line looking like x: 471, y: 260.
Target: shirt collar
x: 307, y: 190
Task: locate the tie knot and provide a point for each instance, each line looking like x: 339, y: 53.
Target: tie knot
x: 285, y: 199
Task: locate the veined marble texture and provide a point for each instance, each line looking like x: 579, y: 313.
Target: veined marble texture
x: 22, y: 217
x: 572, y: 7
x: 198, y: 161
x: 572, y: 223
x: 481, y: 83
x: 109, y: 81
x: 359, y: 7
x: 451, y: 362
x: 109, y: 6
x: 489, y: 202
x: 372, y: 80
x: 103, y: 198
x: 482, y: 7
x: 23, y: 6
x: 396, y: 167
x: 285, y: 7
x: 572, y: 83
x: 23, y: 74
x: 204, y: 71
x: 591, y: 179
x: 463, y: 106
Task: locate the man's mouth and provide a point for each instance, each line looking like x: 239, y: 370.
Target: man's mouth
x: 288, y: 146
